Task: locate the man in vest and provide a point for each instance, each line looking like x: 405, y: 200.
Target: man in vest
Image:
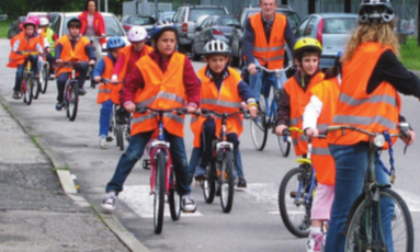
x: 263, y: 44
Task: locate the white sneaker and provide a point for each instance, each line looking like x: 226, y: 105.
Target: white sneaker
x: 108, y: 202
x: 315, y: 243
x: 103, y: 143
x: 188, y: 204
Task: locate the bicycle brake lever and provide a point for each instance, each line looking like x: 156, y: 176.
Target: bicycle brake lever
x: 181, y: 111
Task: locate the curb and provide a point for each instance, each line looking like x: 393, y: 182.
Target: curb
x: 67, y: 183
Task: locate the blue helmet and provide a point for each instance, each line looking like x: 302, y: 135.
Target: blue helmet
x: 159, y: 28
x: 115, y: 42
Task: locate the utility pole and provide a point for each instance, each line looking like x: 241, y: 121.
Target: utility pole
x: 106, y: 5
x: 311, y: 6
x: 347, y: 6
x: 156, y: 8
x: 99, y: 6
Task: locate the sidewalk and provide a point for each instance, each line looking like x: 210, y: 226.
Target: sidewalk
x: 36, y: 214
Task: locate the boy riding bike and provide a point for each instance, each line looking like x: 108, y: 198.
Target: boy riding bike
x: 164, y: 79
x: 107, y: 92
x: 72, y: 47
x: 222, y: 90
x: 296, y: 90
x: 28, y: 40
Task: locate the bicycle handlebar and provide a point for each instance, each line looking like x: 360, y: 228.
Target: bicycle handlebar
x: 179, y: 111
x: 29, y: 52
x: 275, y: 70
x: 369, y: 133
x: 287, y: 132
x: 205, y: 112
x: 108, y: 81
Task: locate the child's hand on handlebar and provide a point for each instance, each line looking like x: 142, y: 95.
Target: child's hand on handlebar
x: 191, y: 109
x: 252, y: 69
x: 409, y: 140
x: 253, y: 111
x: 91, y: 62
x: 280, y: 129
x: 97, y: 79
x: 130, y: 107
x: 311, y: 132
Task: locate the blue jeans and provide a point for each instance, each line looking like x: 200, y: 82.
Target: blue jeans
x: 351, y: 162
x: 19, y: 71
x: 134, y: 152
x: 82, y: 69
x: 105, y: 118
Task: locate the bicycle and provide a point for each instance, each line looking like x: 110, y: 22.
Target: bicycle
x: 162, y: 177
x: 29, y: 82
x: 45, y: 73
x: 268, y: 106
x: 295, y: 202
x: 97, y: 47
x: 366, y: 220
x: 220, y: 172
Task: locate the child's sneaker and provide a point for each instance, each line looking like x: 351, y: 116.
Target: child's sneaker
x: 108, y: 202
x: 315, y: 243
x: 103, y: 142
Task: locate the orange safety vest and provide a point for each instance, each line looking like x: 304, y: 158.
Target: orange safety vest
x: 374, y: 112
x: 16, y: 59
x: 327, y: 92
x: 105, y: 90
x: 298, y: 101
x: 226, y: 100
x: 162, y: 90
x: 69, y: 53
x: 273, y: 51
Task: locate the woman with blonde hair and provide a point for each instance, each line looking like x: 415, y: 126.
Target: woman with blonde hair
x: 372, y: 76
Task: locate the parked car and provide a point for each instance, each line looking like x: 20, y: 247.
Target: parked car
x: 331, y: 29
x: 235, y: 42
x: 39, y: 14
x: 213, y: 27
x: 165, y: 16
x: 112, y: 25
x: 15, y: 27
x: 186, y: 17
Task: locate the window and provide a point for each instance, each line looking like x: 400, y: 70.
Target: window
x: 338, y: 25
x: 227, y: 21
x: 299, y: 31
x: 310, y: 26
x: 56, y: 25
x: 181, y: 15
x: 139, y: 20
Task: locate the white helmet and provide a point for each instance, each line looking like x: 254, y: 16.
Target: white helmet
x: 136, y: 34
x: 43, y: 21
x: 216, y: 46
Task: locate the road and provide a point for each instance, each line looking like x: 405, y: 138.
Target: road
x: 254, y: 223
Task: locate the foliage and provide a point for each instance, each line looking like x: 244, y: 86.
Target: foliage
x: 4, y: 28
x: 410, y: 53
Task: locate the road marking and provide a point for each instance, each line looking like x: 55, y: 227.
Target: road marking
x: 138, y: 198
x: 412, y: 200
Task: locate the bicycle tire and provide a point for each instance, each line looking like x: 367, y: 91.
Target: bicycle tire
x: 45, y: 76
x: 27, y: 90
x: 259, y: 129
x: 120, y: 137
x: 174, y: 200
x: 159, y: 195
x: 284, y: 146
x: 301, y: 228
x: 209, y: 184
x: 36, y: 88
x: 72, y: 100
x: 226, y: 182
x: 356, y: 239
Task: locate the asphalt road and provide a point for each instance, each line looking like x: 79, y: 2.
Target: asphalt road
x: 254, y: 223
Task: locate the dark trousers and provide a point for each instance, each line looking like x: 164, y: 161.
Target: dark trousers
x: 82, y: 69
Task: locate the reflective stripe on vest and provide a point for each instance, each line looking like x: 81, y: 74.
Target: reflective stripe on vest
x: 106, y: 91
x: 322, y: 126
x: 320, y: 151
x: 142, y: 118
x: 362, y: 120
x: 295, y: 121
x: 161, y: 94
x: 174, y: 117
x: 220, y: 103
x: 373, y: 99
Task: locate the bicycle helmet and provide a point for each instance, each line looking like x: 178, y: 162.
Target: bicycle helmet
x: 306, y: 44
x: 34, y: 19
x: 137, y: 34
x: 216, y: 47
x: 376, y: 11
x: 74, y: 22
x: 29, y: 22
x: 44, y: 21
x: 115, y: 42
x: 161, y: 27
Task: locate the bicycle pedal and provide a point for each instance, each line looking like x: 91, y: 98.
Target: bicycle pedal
x: 109, y: 138
x: 293, y: 194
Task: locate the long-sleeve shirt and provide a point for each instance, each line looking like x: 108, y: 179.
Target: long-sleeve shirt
x: 134, y: 57
x: 248, y: 40
x: 135, y: 81
x: 100, y: 66
x: 88, y: 49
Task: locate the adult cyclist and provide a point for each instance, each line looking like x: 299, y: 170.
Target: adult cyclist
x: 263, y: 44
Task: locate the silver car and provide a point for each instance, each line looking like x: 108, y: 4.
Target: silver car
x: 331, y: 29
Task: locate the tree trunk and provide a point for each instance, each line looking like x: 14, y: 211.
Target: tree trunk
x: 284, y: 2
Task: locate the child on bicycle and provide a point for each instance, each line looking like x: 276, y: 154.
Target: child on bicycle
x: 72, y: 47
x: 164, y: 79
x: 28, y: 40
x: 222, y: 90
x: 49, y: 38
x: 296, y: 93
x: 106, y: 92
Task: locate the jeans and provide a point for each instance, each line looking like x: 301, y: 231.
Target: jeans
x: 351, y: 163
x: 105, y: 118
x: 268, y: 80
x: 82, y: 69
x: 50, y: 60
x: 19, y: 72
x: 134, y: 152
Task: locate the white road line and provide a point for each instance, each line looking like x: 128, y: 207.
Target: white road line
x: 138, y: 198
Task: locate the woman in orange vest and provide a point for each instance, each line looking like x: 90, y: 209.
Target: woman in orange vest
x: 28, y: 40
x: 104, y: 69
x: 164, y: 79
x: 93, y: 24
x: 371, y: 78
x: 222, y: 90
x: 72, y: 47
x: 296, y: 93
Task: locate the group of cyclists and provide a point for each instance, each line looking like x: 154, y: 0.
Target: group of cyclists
x: 360, y: 89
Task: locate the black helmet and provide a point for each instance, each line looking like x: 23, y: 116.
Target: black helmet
x: 74, y: 22
x: 161, y: 27
x: 376, y: 11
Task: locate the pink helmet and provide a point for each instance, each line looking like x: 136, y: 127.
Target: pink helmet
x: 34, y: 19
x: 29, y: 22
x: 136, y: 34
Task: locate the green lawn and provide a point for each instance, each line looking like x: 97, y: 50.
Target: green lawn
x: 410, y: 54
x: 4, y: 28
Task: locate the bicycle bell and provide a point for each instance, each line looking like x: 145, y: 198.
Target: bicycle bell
x: 379, y: 140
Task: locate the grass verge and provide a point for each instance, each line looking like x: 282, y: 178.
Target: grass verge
x: 4, y: 28
x: 410, y: 52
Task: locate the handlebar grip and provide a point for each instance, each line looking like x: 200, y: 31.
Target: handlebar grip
x: 141, y: 110
x: 333, y: 128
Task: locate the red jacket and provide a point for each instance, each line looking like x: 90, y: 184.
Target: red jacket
x: 98, y: 24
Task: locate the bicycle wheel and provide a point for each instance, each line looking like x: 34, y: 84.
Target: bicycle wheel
x: 284, y: 145
x: 27, y: 89
x: 119, y: 134
x: 259, y: 129
x: 36, y: 88
x: 294, y: 210
x: 45, y: 73
x: 159, y: 195
x: 72, y: 100
x: 174, y: 200
x: 393, y: 231
x: 209, y: 184
x: 226, y: 182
